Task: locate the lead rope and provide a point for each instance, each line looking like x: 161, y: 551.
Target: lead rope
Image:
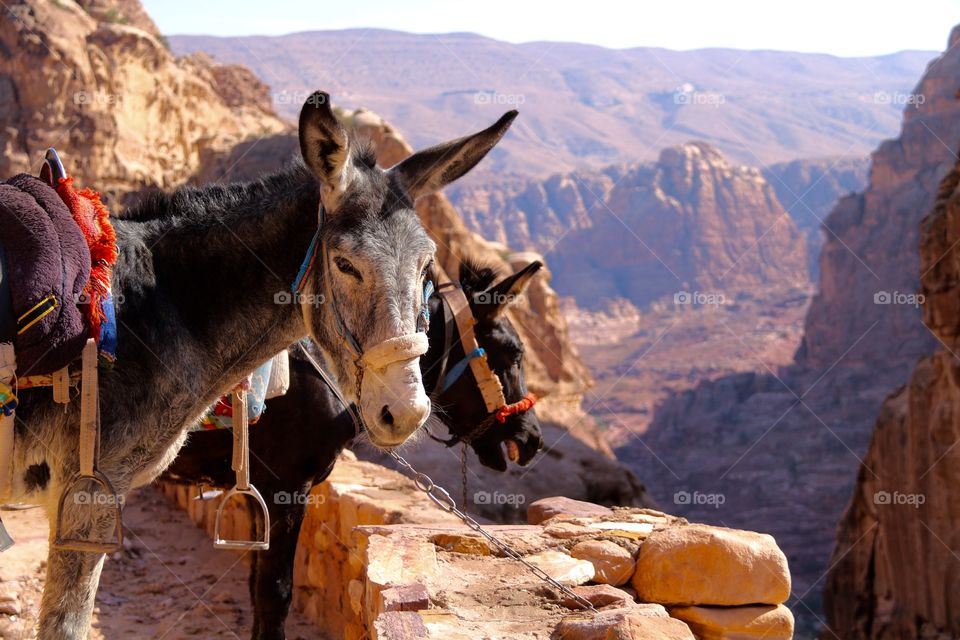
x: 463, y: 474
x: 441, y: 498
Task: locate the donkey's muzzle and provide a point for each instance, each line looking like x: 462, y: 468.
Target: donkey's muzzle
x: 393, y: 402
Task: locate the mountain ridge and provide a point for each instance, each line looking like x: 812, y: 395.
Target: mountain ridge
x: 586, y: 106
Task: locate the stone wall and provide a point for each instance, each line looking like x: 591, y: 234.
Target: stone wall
x: 377, y: 560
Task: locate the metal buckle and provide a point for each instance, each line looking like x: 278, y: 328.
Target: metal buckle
x: 89, y: 546
x: 243, y: 545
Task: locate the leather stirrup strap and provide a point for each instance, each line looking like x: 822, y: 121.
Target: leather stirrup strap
x: 89, y: 410
x: 241, y: 440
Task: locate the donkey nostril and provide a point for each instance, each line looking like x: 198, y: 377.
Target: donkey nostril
x: 386, y: 416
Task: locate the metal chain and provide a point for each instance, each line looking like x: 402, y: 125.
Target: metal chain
x: 463, y: 475
x: 441, y: 498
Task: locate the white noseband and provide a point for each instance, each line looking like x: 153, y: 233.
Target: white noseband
x: 408, y: 347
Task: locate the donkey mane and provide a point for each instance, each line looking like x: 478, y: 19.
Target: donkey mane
x: 218, y: 199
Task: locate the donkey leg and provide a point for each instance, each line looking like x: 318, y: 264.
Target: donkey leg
x: 73, y: 576
x: 255, y: 559
x: 273, y: 590
x: 68, y: 595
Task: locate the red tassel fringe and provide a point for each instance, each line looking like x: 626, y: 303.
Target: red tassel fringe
x: 94, y: 222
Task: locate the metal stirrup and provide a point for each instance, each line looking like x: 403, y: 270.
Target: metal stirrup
x: 241, y: 464
x: 89, y: 454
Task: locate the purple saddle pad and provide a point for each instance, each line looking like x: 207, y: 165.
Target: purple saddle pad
x: 47, y: 265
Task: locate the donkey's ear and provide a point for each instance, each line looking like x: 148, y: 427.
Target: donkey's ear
x: 497, y: 298
x: 430, y: 170
x: 325, y: 147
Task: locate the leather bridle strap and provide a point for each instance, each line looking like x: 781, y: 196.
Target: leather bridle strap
x: 334, y: 387
x: 449, y: 325
x: 487, y: 381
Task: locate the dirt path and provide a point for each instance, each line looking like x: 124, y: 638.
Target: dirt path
x: 167, y: 583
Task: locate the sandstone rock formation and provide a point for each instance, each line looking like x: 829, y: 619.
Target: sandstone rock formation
x: 806, y: 427
x: 808, y: 189
x: 536, y: 213
x: 692, y: 222
x: 894, y: 572
x: 95, y: 81
x: 376, y: 559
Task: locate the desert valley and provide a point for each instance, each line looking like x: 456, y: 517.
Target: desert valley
x: 748, y: 311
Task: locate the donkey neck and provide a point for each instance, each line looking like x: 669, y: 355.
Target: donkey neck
x: 205, y: 276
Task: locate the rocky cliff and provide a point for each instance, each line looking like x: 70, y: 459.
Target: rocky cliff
x: 691, y: 222
x: 97, y: 82
x: 894, y: 572
x: 809, y: 189
x: 535, y: 213
x: 804, y: 429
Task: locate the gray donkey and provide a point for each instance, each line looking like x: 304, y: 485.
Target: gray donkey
x: 202, y: 285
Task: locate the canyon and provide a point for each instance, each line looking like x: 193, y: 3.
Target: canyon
x: 735, y: 315
x: 782, y: 446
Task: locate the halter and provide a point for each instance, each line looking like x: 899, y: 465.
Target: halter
x: 460, y: 318
x: 380, y: 356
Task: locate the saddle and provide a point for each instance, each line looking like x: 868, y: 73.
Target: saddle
x: 56, y: 251
x: 45, y: 270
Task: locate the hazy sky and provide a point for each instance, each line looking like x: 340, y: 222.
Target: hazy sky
x: 840, y: 27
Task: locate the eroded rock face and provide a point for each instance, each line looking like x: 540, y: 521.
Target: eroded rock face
x: 690, y: 222
x: 100, y: 86
x: 894, y: 573
x: 805, y: 429
x: 809, y: 188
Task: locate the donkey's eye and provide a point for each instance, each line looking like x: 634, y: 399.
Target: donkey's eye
x: 426, y: 270
x: 345, y: 267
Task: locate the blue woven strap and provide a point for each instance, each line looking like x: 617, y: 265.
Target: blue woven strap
x: 307, y: 261
x: 107, y: 344
x: 457, y: 370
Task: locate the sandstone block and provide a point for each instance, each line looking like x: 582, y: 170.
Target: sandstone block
x: 612, y: 563
x: 700, y: 564
x: 599, y: 595
x: 546, y: 508
x: 407, y: 597
x: 633, y: 622
x: 738, y: 623
x: 562, y: 568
